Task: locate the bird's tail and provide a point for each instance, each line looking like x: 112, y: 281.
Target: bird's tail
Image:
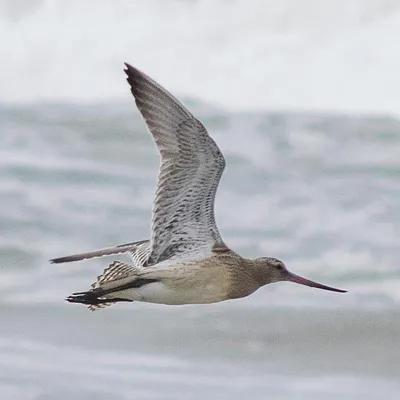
x: 115, y: 276
x: 123, y: 248
x: 111, y: 286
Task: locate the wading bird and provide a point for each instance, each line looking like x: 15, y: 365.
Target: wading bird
x: 185, y: 261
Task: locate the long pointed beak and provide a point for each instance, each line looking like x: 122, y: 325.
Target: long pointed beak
x: 303, y: 281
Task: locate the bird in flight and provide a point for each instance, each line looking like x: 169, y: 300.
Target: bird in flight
x: 185, y: 261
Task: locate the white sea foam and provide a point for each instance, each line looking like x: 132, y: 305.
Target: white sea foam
x: 323, y: 55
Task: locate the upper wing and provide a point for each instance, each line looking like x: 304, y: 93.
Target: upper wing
x: 191, y: 167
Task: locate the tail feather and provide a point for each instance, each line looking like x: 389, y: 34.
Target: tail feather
x: 115, y: 277
x: 123, y: 248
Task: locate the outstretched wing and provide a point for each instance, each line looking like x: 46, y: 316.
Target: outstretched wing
x: 191, y: 166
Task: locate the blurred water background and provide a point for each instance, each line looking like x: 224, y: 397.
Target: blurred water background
x: 302, y: 98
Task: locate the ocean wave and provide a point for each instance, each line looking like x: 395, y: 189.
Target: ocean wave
x: 320, y: 55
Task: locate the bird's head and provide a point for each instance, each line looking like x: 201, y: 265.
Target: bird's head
x: 273, y: 270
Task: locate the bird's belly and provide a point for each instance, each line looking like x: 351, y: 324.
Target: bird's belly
x: 162, y: 293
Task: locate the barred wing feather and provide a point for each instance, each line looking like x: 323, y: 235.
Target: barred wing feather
x: 191, y: 167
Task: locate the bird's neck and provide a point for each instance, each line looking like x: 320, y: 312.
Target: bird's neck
x: 247, y: 275
x: 258, y: 272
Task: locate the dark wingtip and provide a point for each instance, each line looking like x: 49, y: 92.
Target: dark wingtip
x: 58, y: 260
x: 338, y: 290
x: 63, y: 259
x: 130, y: 73
x: 134, y: 74
x: 129, y: 70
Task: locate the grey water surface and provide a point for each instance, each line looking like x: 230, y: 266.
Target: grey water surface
x: 321, y: 192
